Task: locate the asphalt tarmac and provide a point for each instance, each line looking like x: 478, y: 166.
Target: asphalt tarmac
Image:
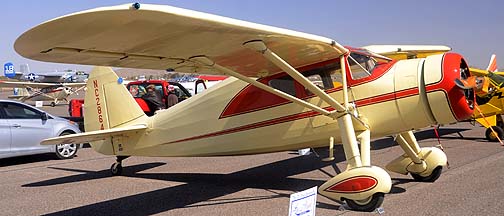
x: 248, y: 185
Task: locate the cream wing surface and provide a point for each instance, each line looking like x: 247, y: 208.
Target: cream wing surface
x: 165, y: 37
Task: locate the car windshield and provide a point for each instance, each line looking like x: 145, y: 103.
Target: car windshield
x: 138, y: 90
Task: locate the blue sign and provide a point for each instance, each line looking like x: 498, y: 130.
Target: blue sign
x: 9, y: 70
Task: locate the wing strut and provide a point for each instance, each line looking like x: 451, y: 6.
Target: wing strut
x: 341, y: 113
x: 260, y: 47
x: 208, y: 62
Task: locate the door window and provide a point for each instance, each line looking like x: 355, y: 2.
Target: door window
x: 284, y: 84
x: 16, y: 111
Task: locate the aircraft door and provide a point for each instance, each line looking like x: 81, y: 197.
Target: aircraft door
x: 329, y: 79
x: 27, y: 127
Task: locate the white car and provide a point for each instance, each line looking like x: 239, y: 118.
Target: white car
x: 22, y: 127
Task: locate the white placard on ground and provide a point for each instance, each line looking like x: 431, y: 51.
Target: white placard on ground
x: 305, y: 151
x: 39, y: 103
x: 303, y: 203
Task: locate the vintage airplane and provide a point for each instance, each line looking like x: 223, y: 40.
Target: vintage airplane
x: 24, y: 74
x: 287, y: 90
x: 33, y: 91
x: 491, y: 104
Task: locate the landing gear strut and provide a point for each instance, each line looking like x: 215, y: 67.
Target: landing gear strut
x: 424, y: 164
x: 116, y: 168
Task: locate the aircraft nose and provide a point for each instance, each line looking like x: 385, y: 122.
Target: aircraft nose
x: 448, y: 103
x: 461, y: 100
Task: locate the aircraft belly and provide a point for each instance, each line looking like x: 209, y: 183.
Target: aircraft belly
x: 281, y: 137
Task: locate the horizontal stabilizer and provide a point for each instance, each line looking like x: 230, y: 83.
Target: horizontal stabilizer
x: 93, y: 135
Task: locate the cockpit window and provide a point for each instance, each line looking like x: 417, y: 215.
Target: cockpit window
x: 325, y: 77
x: 361, y: 65
x: 285, y: 84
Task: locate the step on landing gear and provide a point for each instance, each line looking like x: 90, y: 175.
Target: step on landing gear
x: 116, y: 168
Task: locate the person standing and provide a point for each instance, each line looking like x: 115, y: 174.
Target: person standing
x: 153, y: 100
x: 172, y: 96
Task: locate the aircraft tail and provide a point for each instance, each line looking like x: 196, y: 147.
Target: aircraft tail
x: 492, y: 66
x: 108, y: 104
x: 24, y: 69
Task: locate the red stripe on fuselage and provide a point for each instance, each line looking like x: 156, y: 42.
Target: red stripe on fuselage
x: 360, y: 103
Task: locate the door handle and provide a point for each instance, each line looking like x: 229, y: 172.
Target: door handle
x: 16, y: 125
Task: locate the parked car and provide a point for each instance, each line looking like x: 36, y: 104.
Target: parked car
x: 22, y: 127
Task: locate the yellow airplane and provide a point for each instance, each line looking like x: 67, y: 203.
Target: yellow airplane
x: 491, y: 104
x: 489, y: 83
x: 281, y: 94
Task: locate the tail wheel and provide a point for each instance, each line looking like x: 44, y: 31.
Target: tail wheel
x: 490, y: 136
x: 116, y: 169
x: 436, y: 173
x: 66, y: 151
x: 366, y: 205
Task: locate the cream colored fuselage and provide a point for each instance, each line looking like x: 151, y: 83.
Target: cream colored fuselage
x: 194, y: 127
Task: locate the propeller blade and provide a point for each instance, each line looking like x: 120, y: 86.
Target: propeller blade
x: 463, y: 84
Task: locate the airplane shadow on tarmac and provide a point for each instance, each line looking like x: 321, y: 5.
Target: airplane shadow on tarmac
x: 27, y: 159
x: 205, y: 189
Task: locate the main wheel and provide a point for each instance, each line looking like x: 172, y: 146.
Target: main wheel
x: 367, y: 205
x: 53, y: 104
x: 490, y: 136
x: 66, y: 151
x: 116, y: 169
x: 436, y: 173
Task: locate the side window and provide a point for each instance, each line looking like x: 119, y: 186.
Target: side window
x: 325, y: 77
x: 285, y: 84
x: 360, y: 65
x: 15, y: 111
x: 336, y: 78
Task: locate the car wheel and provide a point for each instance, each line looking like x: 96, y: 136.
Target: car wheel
x: 66, y: 151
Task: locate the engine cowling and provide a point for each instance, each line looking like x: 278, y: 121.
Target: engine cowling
x: 442, y: 92
x: 439, y: 100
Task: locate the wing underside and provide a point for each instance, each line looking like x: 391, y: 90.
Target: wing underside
x: 165, y: 37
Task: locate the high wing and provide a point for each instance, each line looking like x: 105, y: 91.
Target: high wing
x: 165, y: 37
x: 94, y: 135
x: 38, y: 85
x: 407, y: 51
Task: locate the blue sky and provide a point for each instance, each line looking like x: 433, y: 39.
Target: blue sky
x: 472, y: 28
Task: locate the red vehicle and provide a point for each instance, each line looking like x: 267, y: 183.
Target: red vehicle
x: 138, y: 89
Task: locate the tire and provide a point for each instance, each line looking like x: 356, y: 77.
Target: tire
x: 53, y: 104
x: 116, y: 169
x: 436, y: 173
x: 491, y: 137
x: 66, y: 151
x: 368, y: 205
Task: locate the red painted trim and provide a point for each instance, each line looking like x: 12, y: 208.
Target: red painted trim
x: 363, y: 102
x: 247, y: 99
x: 356, y: 184
x: 445, y: 84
